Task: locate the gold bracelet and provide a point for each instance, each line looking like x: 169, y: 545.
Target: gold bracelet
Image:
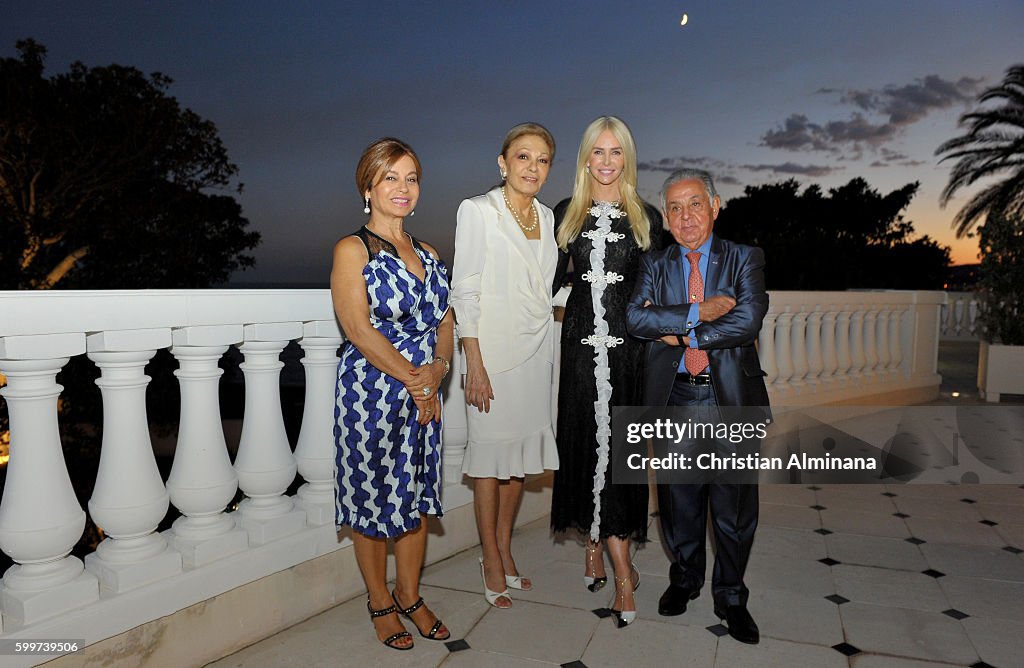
x: 447, y: 366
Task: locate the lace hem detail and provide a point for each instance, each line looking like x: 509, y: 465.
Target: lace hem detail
x: 600, y: 339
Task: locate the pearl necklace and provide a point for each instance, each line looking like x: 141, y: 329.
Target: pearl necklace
x: 533, y: 214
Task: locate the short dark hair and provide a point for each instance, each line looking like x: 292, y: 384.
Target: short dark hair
x: 524, y: 129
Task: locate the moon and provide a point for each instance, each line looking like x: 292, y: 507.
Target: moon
x: 686, y: 18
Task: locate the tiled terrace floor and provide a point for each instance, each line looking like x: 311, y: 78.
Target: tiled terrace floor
x: 849, y: 584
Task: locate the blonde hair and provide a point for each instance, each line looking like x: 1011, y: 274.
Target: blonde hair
x: 579, y: 206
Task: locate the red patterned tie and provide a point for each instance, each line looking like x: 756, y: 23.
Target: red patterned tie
x: 694, y: 359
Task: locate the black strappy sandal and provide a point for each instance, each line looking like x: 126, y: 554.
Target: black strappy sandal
x: 407, y: 612
x: 390, y: 640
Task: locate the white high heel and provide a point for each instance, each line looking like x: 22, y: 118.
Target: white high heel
x: 626, y: 617
x: 493, y: 596
x: 592, y: 582
x: 516, y: 582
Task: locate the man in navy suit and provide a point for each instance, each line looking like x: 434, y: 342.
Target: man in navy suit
x: 700, y: 304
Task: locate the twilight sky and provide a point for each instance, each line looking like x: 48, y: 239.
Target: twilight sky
x: 755, y: 91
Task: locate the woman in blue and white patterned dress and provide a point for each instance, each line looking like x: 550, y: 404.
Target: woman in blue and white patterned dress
x: 390, y: 294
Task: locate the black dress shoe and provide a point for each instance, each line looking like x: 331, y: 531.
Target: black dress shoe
x: 673, y: 601
x: 741, y: 625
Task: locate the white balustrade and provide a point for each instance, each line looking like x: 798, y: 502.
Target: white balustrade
x: 40, y: 518
x: 202, y: 481
x: 314, y: 452
x: 960, y: 317
x: 264, y: 463
x: 812, y: 346
x: 129, y: 499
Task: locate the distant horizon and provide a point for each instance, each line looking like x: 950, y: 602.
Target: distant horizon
x: 820, y: 92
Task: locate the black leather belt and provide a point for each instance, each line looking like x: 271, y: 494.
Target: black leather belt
x: 702, y: 379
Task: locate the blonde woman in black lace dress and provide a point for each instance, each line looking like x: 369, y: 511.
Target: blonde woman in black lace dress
x: 603, y: 229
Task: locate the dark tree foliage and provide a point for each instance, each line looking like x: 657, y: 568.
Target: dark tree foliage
x: 106, y: 182
x: 992, y: 146
x: 851, y: 237
x: 1002, y: 280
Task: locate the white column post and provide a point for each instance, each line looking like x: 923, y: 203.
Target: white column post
x: 815, y: 359
x: 798, y: 337
x: 895, y: 337
x: 784, y: 351
x: 870, y: 345
x: 857, y: 342
x: 830, y: 360
x: 883, y: 341
x: 40, y: 518
x: 202, y: 481
x: 454, y: 419
x: 264, y: 463
x: 129, y: 499
x: 766, y: 348
x: 314, y: 452
x: 843, y: 344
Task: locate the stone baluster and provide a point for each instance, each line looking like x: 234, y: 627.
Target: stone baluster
x: 202, y: 481
x: 843, y: 358
x: 798, y: 339
x: 945, y: 319
x: 129, y: 499
x: 815, y: 358
x: 895, y: 337
x: 314, y: 452
x: 958, y: 316
x: 454, y: 419
x: 784, y: 350
x: 882, y: 337
x: 264, y: 463
x: 870, y: 344
x: 830, y: 361
x: 972, y: 315
x: 766, y: 348
x: 857, y: 359
x: 40, y: 518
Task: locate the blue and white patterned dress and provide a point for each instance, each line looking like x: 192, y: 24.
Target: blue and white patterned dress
x: 388, y: 466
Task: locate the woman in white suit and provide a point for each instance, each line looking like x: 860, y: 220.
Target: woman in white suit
x: 505, y: 257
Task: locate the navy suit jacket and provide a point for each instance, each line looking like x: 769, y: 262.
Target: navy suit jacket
x: 734, y: 270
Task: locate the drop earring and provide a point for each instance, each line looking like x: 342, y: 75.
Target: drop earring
x: 412, y: 213
x: 502, y: 172
x: 366, y: 209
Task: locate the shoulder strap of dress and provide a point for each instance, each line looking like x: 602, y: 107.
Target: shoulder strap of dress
x: 375, y: 244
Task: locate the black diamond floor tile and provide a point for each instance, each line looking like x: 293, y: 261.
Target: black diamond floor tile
x: 719, y: 630
x: 602, y: 612
x: 901, y: 515
x: 889, y: 494
x: 981, y: 664
x: 837, y: 599
x: 828, y: 561
x: 456, y: 645
x: 989, y: 523
x: 816, y: 488
x: 955, y: 614
x: 1013, y: 550
x: 968, y: 500
x: 823, y: 532
x: 846, y: 649
x: 574, y: 664
x: 915, y: 541
x: 817, y: 507
x: 932, y: 573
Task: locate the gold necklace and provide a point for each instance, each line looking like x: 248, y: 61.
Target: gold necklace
x: 533, y: 214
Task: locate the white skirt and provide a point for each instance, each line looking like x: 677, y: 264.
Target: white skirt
x: 515, y: 438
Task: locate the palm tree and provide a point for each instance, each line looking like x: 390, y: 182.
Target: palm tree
x: 992, y: 145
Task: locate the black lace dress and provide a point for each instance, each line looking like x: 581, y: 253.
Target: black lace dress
x: 598, y: 358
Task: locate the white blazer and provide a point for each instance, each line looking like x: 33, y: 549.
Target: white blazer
x: 501, y: 289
